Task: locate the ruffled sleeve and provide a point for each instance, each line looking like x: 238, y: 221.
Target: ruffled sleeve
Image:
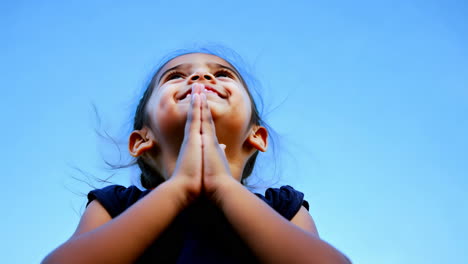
x: 116, y: 198
x: 285, y: 200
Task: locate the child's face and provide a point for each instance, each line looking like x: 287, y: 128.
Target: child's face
x: 229, y: 102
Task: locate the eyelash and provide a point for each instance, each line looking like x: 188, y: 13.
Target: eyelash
x: 177, y: 74
x: 173, y: 74
x: 227, y: 73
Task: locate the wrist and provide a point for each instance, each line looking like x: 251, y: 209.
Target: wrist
x: 177, y: 192
x: 226, y: 190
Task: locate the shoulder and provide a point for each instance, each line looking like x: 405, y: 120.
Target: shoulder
x: 305, y: 221
x: 286, y: 200
x: 291, y: 204
x: 116, y: 198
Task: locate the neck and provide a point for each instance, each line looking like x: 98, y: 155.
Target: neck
x: 167, y: 160
x: 236, y: 153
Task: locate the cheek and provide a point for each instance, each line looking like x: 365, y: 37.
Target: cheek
x: 247, y: 107
x: 165, y: 116
x: 234, y: 125
x: 241, y: 113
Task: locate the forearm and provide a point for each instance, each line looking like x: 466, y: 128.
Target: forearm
x: 271, y: 237
x: 124, y: 238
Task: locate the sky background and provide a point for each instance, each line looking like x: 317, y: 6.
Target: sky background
x: 369, y: 100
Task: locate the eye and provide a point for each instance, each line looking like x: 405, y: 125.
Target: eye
x: 223, y: 73
x: 174, y: 75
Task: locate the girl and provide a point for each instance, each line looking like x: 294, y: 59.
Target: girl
x: 196, y: 136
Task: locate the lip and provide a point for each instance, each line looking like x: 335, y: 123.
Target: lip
x: 207, y: 88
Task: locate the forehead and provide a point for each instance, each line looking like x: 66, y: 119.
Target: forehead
x: 195, y: 59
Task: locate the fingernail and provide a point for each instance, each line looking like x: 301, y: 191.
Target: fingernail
x: 197, y: 88
x: 200, y: 88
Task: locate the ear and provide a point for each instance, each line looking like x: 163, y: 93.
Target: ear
x: 258, y: 138
x: 139, y: 142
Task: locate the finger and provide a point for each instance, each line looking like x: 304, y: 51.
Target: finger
x: 197, y: 88
x: 207, y: 124
x: 193, y: 123
x: 196, y: 108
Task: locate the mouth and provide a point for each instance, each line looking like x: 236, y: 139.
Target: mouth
x: 206, y: 89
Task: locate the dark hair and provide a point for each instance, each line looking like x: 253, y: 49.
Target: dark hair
x: 150, y: 178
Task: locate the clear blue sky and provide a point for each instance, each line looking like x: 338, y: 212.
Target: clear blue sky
x: 370, y: 101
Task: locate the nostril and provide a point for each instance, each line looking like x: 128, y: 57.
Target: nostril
x: 195, y: 77
x: 207, y: 77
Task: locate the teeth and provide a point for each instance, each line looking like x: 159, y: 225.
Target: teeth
x: 189, y: 94
x: 206, y: 90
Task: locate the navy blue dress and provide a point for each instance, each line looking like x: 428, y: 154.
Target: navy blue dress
x: 200, y: 233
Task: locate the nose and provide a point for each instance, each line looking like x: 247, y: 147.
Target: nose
x: 202, y: 77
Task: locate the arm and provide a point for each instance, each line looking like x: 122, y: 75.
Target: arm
x: 274, y: 240
x: 303, y: 220
x: 271, y: 237
x: 98, y: 237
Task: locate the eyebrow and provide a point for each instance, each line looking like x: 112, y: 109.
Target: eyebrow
x: 209, y: 65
